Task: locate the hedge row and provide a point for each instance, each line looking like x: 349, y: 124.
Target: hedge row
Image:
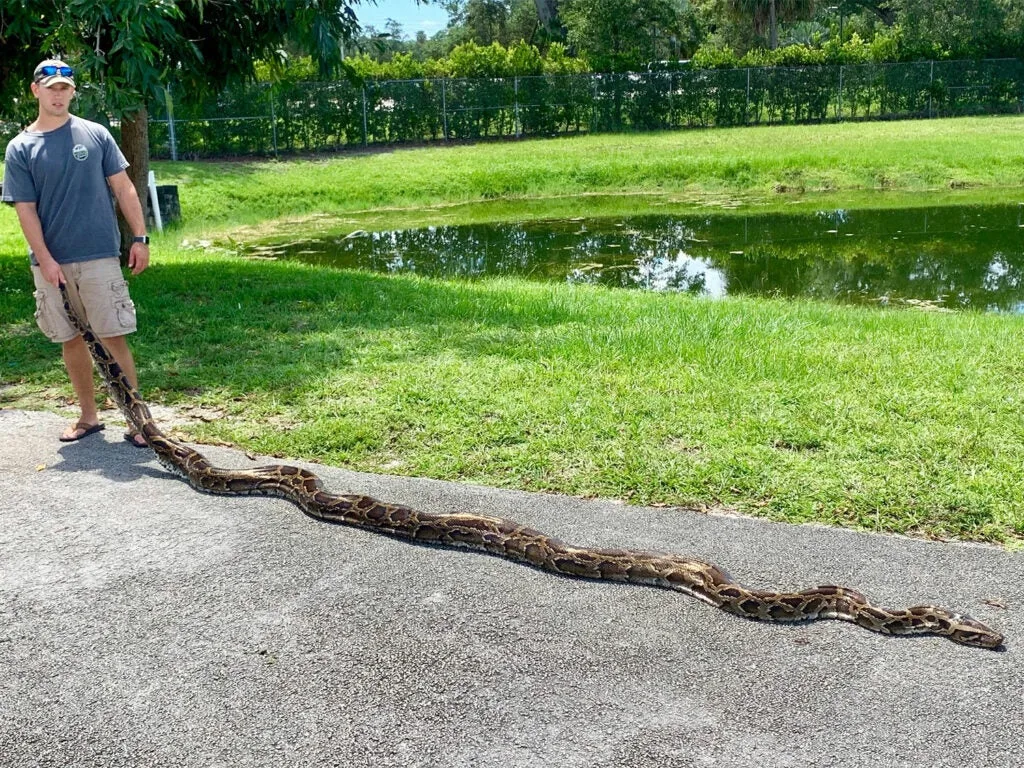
x: 311, y: 117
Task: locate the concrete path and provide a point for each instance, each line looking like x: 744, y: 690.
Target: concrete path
x: 144, y: 624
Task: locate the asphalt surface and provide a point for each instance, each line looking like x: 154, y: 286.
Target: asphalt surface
x: 145, y: 624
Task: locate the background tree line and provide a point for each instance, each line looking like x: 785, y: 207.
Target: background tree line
x: 624, y: 35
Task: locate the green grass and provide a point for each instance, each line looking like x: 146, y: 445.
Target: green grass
x: 765, y: 166
x: 898, y: 421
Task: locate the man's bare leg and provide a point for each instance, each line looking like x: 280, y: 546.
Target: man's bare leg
x: 78, y: 363
x: 118, y: 348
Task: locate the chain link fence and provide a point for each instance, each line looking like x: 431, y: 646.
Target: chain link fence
x: 316, y: 117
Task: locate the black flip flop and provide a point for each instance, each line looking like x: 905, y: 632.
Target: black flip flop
x: 129, y: 437
x: 89, y: 429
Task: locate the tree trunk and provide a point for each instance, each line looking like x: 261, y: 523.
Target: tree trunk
x: 773, y: 26
x: 135, y: 146
x: 547, y: 11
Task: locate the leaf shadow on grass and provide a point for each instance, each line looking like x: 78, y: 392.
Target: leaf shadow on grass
x: 238, y: 326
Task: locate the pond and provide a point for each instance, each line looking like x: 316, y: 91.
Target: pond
x: 956, y: 257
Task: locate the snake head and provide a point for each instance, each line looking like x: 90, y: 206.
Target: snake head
x: 967, y: 631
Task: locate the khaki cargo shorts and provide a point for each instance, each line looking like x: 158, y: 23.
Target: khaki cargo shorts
x: 97, y: 290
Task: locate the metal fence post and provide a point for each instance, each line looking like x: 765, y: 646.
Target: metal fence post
x: 273, y: 121
x: 519, y: 122
x: 171, y: 138
x: 746, y: 109
x: 839, y: 113
x: 365, y: 132
x: 444, y: 106
x: 931, y: 80
x: 1020, y: 82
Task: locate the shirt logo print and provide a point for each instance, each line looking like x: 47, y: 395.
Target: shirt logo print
x: 80, y: 152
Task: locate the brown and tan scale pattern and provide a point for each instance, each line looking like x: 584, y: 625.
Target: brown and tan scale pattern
x: 507, y: 539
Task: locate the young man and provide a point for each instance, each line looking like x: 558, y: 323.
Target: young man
x: 59, y: 174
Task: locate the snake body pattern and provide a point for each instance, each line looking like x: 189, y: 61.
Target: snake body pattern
x: 512, y: 541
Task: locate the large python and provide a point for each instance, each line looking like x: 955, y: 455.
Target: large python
x: 510, y: 540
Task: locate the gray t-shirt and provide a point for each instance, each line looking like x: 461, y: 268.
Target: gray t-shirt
x: 64, y: 172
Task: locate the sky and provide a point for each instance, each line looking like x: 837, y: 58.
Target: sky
x: 429, y: 18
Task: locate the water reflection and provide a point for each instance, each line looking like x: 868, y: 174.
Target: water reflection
x: 955, y: 257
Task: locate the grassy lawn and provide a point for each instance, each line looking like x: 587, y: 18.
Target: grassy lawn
x: 763, y: 166
x: 888, y: 420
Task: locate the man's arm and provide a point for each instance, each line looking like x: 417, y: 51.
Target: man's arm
x: 131, y: 209
x: 32, y: 228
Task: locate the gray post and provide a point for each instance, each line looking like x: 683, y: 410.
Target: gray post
x: 365, y: 132
x: 444, y: 106
x: 1021, y: 93
x: 273, y: 121
x: 839, y: 115
x: 746, y: 110
x: 171, y: 138
x: 931, y: 80
x: 519, y: 123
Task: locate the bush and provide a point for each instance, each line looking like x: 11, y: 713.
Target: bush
x: 308, y: 116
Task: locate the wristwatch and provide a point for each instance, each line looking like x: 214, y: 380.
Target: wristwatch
x: 144, y: 239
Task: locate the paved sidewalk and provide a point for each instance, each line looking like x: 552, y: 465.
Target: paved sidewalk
x: 145, y: 624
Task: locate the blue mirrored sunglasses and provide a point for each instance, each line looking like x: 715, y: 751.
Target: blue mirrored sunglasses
x: 49, y: 70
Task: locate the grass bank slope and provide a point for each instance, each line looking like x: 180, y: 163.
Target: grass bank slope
x: 763, y: 166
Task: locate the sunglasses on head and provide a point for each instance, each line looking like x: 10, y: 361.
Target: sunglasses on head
x: 49, y: 70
